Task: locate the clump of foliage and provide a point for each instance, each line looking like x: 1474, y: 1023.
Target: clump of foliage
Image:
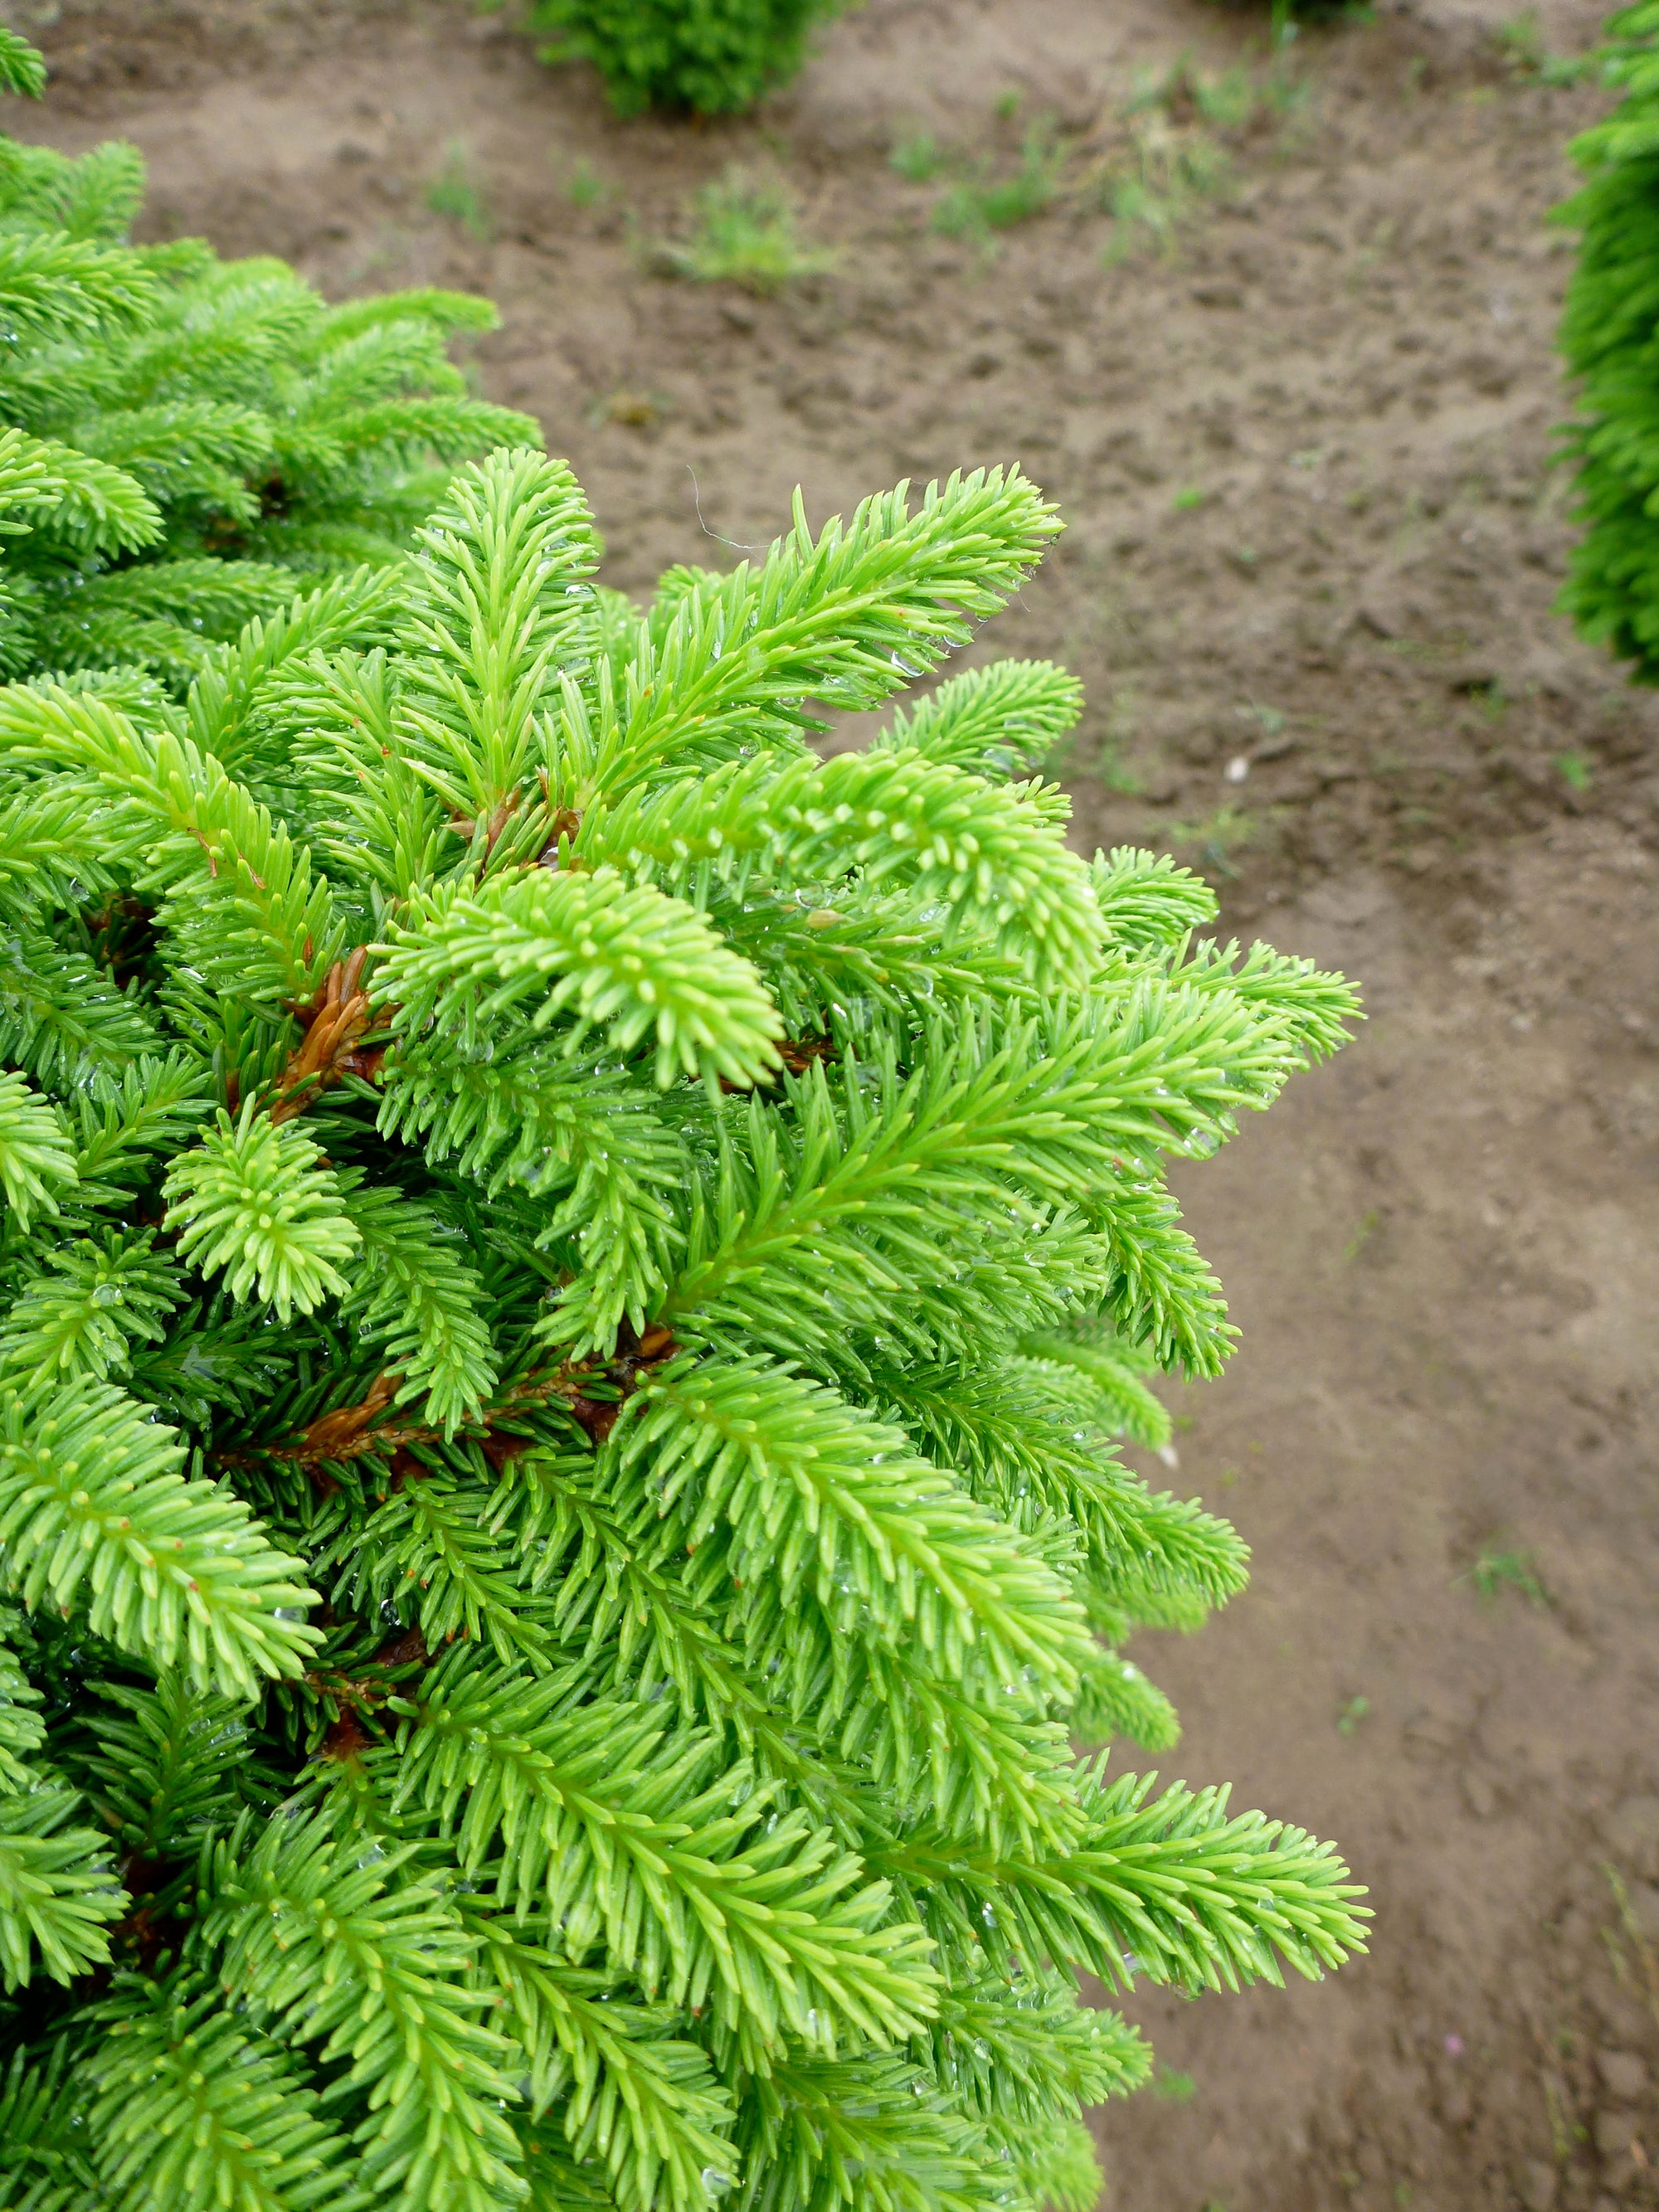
x: 702, y: 57
x: 744, y: 230
x: 181, y: 433
x: 567, y: 1272
x: 455, y: 194
x: 1520, y: 40
x: 1182, y: 120
x: 1497, y: 1569
x: 1610, y: 337
x: 918, y: 156
x: 989, y: 201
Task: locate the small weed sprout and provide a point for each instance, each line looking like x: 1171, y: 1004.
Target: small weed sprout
x: 1353, y: 1711
x: 637, y: 410
x: 713, y: 57
x: 1186, y: 94
x: 1216, y: 837
x: 1574, y: 770
x: 1520, y: 43
x: 585, y: 187
x: 1188, y: 496
x: 1098, y: 750
x: 1496, y: 1571
x: 1270, y: 720
x: 1630, y: 1928
x: 918, y: 156
x: 453, y: 194
x: 1171, y: 172
x: 1176, y: 2088
x: 1176, y: 161
x: 983, y: 204
x: 745, y: 231
x: 1364, y: 1231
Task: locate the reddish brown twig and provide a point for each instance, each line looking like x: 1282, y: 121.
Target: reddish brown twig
x: 797, y: 1053
x: 565, y: 824
x: 350, y: 1432
x: 345, y: 1433
x: 334, y: 1019
x: 345, y: 1738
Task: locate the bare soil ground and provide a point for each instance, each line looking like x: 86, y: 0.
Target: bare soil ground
x: 1337, y: 674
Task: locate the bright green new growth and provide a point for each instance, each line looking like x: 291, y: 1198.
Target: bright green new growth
x: 710, y: 57
x: 1608, y: 337
x: 568, y: 1273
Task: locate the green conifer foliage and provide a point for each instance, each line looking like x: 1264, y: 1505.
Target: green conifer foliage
x: 709, y: 57
x: 180, y: 433
x: 567, y: 1275
x: 1610, y: 337
x: 570, y: 1270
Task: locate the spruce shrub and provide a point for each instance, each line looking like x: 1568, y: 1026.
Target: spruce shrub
x: 569, y: 1273
x: 181, y: 433
x: 1610, y: 337
x: 703, y: 57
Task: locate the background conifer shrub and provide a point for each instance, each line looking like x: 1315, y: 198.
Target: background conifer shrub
x: 180, y: 433
x: 708, y: 57
x: 1610, y: 337
x: 568, y: 1270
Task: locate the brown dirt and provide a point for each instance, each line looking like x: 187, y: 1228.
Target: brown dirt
x: 1442, y: 1250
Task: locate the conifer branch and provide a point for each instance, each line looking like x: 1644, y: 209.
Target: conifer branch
x: 1172, y: 1888
x: 23, y: 1731
x: 428, y: 1549
x: 638, y: 965
x: 622, y: 1837
x: 22, y: 69
x: 998, y: 720
x: 51, y: 842
x: 35, y: 1158
x: 1117, y: 1699
x: 1145, y: 900
x: 335, y: 1020
x: 58, y: 1894
x: 193, y: 2112
x: 44, y: 2166
x: 870, y: 2123
x: 819, y: 1495
x: 561, y: 1126
x: 418, y: 1299
x: 327, y: 1940
x: 630, y: 2096
x: 93, y: 1511
x: 354, y: 610
x: 120, y: 1125
x: 252, y: 1200
x: 947, y: 836
x: 1113, y: 1375
x: 849, y: 618
x: 80, y: 1315
x: 62, y: 1017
